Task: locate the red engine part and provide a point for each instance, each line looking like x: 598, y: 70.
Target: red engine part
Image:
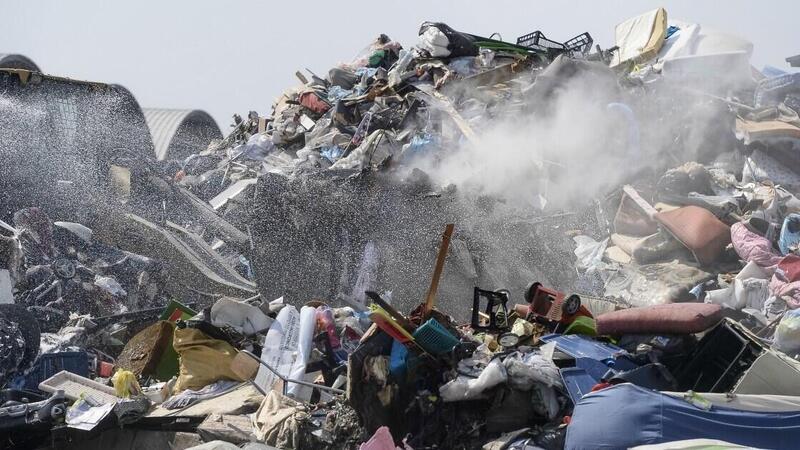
x: 553, y: 307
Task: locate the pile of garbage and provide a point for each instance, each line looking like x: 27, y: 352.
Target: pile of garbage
x: 368, y: 267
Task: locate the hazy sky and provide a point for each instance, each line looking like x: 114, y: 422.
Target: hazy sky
x: 235, y: 56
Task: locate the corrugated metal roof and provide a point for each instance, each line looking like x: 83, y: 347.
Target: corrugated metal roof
x: 165, y: 123
x: 16, y: 61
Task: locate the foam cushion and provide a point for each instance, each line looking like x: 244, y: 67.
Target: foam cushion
x: 673, y: 318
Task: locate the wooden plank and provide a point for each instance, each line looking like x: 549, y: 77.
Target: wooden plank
x: 646, y: 207
x: 397, y: 315
x: 430, y: 299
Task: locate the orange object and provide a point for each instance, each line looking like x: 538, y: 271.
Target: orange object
x: 697, y: 229
x: 389, y: 325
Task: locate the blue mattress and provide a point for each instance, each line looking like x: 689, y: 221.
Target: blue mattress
x: 626, y: 415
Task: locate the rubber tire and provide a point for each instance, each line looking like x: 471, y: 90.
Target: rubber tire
x: 28, y: 326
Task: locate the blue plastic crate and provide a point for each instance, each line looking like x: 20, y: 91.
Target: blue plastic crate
x: 50, y: 364
x: 435, y: 338
x: 397, y: 360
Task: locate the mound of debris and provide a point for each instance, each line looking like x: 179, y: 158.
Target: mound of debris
x: 467, y: 244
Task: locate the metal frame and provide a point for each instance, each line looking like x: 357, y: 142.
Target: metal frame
x: 287, y: 380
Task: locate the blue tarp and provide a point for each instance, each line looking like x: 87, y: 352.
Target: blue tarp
x: 593, y: 359
x: 579, y: 346
x: 627, y: 415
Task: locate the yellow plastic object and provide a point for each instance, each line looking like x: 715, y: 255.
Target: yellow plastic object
x: 522, y: 328
x: 491, y: 342
x: 582, y: 325
x: 125, y: 384
x: 640, y: 38
x: 390, y: 326
x: 203, y: 360
x: 697, y: 400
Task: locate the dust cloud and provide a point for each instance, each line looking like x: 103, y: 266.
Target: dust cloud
x: 580, y: 138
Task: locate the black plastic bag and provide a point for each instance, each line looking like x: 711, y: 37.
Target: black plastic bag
x: 460, y: 44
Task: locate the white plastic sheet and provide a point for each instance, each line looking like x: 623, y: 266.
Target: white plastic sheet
x: 243, y: 317
x: 279, y: 347
x: 692, y: 39
x: 83, y: 416
x: 367, y: 277
x: 750, y: 289
x: 308, y: 323
x: 589, y: 252
x: 698, y: 52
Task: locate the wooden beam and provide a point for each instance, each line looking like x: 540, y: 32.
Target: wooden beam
x: 430, y: 299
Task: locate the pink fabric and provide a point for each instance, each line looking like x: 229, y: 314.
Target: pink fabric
x: 786, y: 281
x: 753, y: 247
x: 381, y: 440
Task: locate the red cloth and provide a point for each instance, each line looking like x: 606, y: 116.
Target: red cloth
x: 785, y: 284
x: 789, y: 268
x: 312, y: 101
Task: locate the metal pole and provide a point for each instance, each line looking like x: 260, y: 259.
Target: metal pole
x: 289, y: 380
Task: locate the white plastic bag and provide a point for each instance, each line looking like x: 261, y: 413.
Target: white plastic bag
x: 547, y: 404
x: 749, y: 290
x: 242, y: 317
x: 435, y: 42
x: 787, y: 335
x: 110, y: 285
x: 463, y: 388
x: 399, y: 68
x: 589, y: 252
x: 526, y: 370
